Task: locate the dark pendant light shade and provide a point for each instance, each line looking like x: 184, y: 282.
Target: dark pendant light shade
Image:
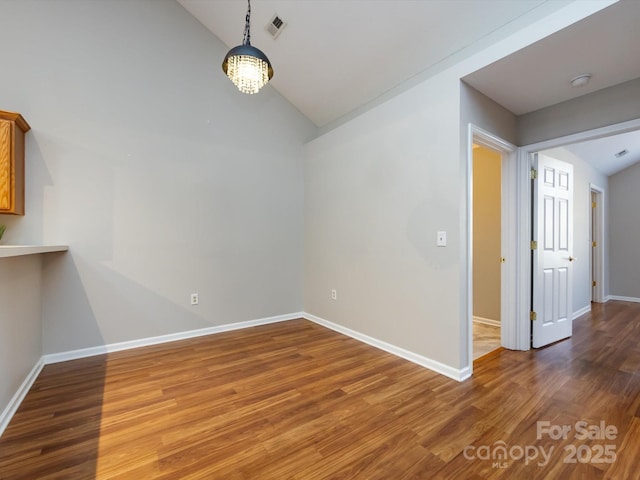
x: 246, y: 66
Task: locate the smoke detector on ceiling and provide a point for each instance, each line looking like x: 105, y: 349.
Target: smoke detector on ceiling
x: 275, y: 26
x: 580, y: 80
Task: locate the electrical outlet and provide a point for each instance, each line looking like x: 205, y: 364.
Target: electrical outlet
x: 194, y: 299
x: 334, y: 295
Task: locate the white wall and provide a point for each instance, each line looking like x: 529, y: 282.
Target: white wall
x: 162, y: 177
x: 20, y: 322
x: 624, y: 233
x: 583, y: 176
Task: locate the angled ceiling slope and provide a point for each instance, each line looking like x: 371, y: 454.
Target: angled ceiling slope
x: 335, y: 56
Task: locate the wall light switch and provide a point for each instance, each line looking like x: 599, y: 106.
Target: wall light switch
x: 442, y: 239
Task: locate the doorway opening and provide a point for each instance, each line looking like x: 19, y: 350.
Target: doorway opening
x: 487, y: 249
x: 506, y: 234
x: 597, y: 244
x: 526, y: 154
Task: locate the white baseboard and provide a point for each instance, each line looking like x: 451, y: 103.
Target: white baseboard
x: 606, y: 299
x: 624, y: 299
x: 15, y: 402
x: 18, y: 397
x: 486, y: 321
x: 172, y: 337
x: 582, y: 311
x: 441, y: 368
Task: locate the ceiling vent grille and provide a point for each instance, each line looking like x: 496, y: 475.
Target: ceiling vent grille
x: 622, y: 153
x: 275, y: 26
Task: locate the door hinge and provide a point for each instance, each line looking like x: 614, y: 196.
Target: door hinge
x: 595, y: 244
x: 532, y: 316
x: 534, y: 174
x: 593, y: 204
x: 534, y: 245
x: 593, y: 284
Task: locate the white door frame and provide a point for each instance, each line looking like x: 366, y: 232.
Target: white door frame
x: 524, y: 219
x: 597, y: 228
x: 508, y: 297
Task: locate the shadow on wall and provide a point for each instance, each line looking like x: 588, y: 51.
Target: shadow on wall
x: 34, y: 444
x: 90, y: 304
x: 70, y: 395
x: 29, y: 229
x: 68, y: 320
x: 84, y: 305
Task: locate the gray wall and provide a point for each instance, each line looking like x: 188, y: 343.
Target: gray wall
x: 377, y: 189
x: 480, y: 110
x: 624, y: 233
x: 608, y: 106
x: 583, y: 175
x: 20, y: 322
x: 162, y: 177
x: 164, y: 180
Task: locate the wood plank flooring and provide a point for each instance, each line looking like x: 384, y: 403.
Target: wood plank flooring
x: 296, y: 401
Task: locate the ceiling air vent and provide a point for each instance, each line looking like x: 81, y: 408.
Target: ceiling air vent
x: 622, y: 153
x: 275, y: 26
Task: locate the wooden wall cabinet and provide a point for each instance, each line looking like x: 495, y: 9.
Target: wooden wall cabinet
x: 12, y: 130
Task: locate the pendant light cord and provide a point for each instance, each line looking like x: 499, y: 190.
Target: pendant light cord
x: 246, y: 40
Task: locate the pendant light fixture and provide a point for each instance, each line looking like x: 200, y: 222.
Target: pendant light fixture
x: 248, y: 68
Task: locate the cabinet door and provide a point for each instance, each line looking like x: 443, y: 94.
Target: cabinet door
x: 7, y: 176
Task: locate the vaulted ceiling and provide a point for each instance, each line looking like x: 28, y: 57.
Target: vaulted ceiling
x: 334, y: 56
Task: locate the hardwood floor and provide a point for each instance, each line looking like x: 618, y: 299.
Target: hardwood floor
x: 296, y: 401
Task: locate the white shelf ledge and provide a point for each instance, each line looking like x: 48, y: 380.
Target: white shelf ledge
x: 19, y: 250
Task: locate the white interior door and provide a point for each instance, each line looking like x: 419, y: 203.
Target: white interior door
x: 552, y: 257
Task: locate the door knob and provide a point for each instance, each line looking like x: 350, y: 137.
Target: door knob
x: 571, y: 259
x: 502, y: 259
